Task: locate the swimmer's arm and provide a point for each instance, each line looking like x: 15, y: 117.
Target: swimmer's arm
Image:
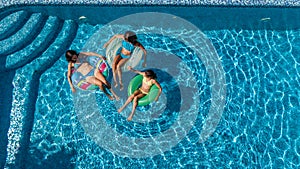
x: 93, y: 54
x: 159, y: 87
x: 112, y: 38
x: 135, y: 71
x: 69, y: 77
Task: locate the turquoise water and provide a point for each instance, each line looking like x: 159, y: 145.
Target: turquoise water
x: 259, y: 127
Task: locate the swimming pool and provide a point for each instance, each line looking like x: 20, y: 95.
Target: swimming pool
x: 246, y: 69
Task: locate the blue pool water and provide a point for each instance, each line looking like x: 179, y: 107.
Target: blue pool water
x: 48, y: 126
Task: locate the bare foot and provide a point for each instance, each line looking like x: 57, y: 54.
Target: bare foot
x: 110, y: 97
x: 121, y: 87
x: 117, y: 97
x: 116, y: 84
x: 129, y: 118
x: 119, y: 110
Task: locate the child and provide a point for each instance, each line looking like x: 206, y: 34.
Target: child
x: 148, y: 80
x: 77, y: 61
x: 124, y: 53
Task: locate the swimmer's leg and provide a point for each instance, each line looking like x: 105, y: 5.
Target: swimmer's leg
x: 95, y: 81
x: 114, y: 68
x: 135, y: 103
x: 119, y: 71
x: 130, y: 98
x: 100, y: 77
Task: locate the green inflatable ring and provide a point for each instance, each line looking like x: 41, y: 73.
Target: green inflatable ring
x: 135, y: 83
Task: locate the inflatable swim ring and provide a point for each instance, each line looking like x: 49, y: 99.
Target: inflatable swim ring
x: 135, y: 83
x: 111, y: 51
x: 79, y: 80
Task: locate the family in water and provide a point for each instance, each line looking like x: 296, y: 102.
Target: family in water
x: 87, y: 69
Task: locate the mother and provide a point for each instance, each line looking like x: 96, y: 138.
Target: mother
x: 80, y: 63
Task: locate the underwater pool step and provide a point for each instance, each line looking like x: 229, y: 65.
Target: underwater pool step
x: 48, y: 34
x: 60, y: 45
x: 22, y: 114
x: 10, y: 24
x: 24, y: 36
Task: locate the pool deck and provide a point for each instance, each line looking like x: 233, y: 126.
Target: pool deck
x: 286, y: 3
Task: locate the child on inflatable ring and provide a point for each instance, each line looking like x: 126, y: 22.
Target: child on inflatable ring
x: 148, y: 80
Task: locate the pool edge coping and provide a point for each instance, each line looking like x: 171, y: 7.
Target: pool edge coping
x: 226, y: 3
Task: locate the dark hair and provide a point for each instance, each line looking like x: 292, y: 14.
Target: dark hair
x: 69, y: 55
x: 150, y: 74
x: 130, y: 37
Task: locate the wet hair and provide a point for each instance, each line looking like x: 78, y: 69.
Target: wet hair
x: 130, y: 37
x: 150, y: 74
x: 69, y: 55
